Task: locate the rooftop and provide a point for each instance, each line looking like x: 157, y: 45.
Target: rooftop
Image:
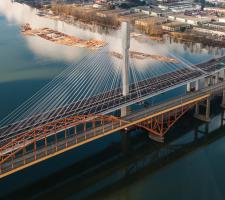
x: 194, y: 18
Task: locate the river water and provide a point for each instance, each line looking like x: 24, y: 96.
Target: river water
x: 29, y: 63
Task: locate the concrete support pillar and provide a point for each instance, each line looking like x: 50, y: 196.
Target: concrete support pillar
x: 197, y: 109
x: 223, y: 99
x: 197, y: 85
x: 216, y: 80
x: 188, y: 87
x: 211, y: 82
x: 220, y: 74
x: 222, y: 118
x: 124, y: 111
x: 203, y: 117
x: 206, y: 84
x: 207, y: 112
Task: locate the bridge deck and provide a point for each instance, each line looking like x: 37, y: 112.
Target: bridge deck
x: 65, y: 144
x: 113, y: 100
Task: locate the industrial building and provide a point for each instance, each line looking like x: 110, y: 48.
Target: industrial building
x: 176, y: 6
x: 153, y: 11
x: 175, y: 26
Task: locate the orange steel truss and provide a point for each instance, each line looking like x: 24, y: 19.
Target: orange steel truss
x: 42, y: 132
x: 56, y: 137
x: 159, y: 125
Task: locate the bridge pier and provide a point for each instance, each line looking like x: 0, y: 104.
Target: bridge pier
x: 188, y: 87
x: 124, y: 111
x: 197, y: 83
x: 221, y: 75
x: 216, y: 78
x: 207, y: 112
x: 208, y: 81
x: 197, y: 88
x: 222, y: 118
x: 203, y: 117
x: 223, y: 99
x: 197, y: 109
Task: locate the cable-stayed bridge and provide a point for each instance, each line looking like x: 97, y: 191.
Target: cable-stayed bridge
x: 82, y: 104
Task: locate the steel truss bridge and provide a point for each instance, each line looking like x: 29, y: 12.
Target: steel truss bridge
x: 31, y: 142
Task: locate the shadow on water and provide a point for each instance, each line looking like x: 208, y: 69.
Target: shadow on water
x: 124, y: 162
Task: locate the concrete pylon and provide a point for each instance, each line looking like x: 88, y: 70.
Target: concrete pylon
x: 125, y: 52
x: 125, y: 65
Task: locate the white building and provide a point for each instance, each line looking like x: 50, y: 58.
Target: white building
x: 221, y: 20
x: 193, y: 20
x: 97, y: 5
x: 178, y: 6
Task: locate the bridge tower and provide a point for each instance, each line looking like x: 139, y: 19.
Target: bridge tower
x: 125, y: 52
x: 125, y: 65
